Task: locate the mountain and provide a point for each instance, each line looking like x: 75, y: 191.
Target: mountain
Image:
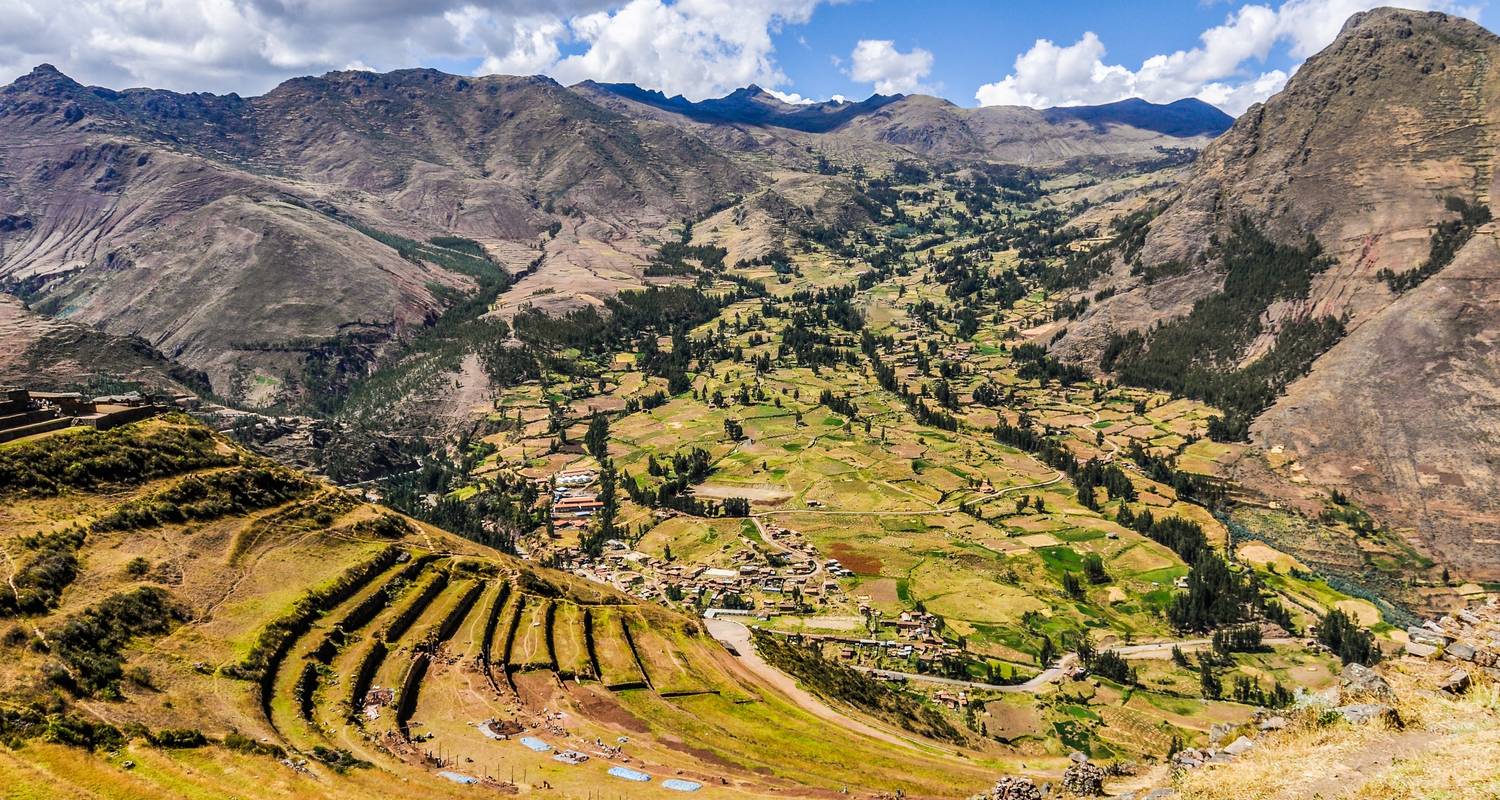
x: 243, y: 237
x: 1134, y: 131
x: 1381, y: 149
x: 751, y: 105
x: 1130, y: 130
x: 272, y: 242
x: 1186, y: 117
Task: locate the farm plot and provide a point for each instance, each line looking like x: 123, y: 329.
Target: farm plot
x: 667, y: 666
x: 531, y: 647
x: 570, y: 641
x: 618, y: 667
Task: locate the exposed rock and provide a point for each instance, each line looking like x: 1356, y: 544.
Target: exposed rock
x: 1359, y: 678
x: 1273, y: 723
x: 1460, y: 650
x: 1363, y: 713
x: 1426, y: 635
x: 1012, y: 788
x: 1421, y: 650
x: 1240, y: 746
x: 1084, y: 779
x: 1457, y: 682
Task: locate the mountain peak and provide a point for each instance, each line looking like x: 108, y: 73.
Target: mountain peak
x: 1186, y: 117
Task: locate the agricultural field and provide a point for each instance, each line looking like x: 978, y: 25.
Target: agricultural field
x: 353, y: 656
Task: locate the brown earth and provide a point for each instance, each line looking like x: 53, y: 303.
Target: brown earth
x: 1360, y: 150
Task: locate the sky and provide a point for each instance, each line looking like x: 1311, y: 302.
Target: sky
x: 1037, y: 53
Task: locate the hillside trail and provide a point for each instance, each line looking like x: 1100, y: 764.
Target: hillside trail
x: 1059, y: 668
x: 737, y: 637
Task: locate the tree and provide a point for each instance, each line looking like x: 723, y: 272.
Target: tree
x: 1046, y: 652
x: 1352, y: 643
x: 733, y: 429
x: 596, y: 441
x: 1208, y: 681
x: 1071, y: 586
x: 1093, y: 568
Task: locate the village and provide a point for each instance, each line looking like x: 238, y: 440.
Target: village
x: 786, y: 586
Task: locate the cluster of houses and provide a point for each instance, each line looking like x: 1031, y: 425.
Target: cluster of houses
x: 785, y: 577
x: 919, y: 646
x: 26, y: 413
x: 573, y: 502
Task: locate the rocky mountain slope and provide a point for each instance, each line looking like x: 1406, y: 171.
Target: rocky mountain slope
x: 1382, y: 148
x: 238, y: 236
x: 249, y: 238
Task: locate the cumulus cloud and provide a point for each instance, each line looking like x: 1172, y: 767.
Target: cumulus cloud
x: 878, y: 61
x: 1221, y: 70
x: 692, y: 47
x: 697, y: 48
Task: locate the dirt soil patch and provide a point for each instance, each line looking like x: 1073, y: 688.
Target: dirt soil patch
x: 598, y: 704
x: 766, y: 495
x: 853, y: 560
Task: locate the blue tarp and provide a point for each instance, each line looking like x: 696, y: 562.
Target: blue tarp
x: 458, y: 777
x: 535, y: 744
x: 679, y: 785
x: 629, y: 774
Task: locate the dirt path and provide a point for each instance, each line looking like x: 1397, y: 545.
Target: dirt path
x: 1058, y: 669
x: 1041, y: 680
x: 737, y: 636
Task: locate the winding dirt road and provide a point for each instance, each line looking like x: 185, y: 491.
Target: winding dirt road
x: 737, y: 636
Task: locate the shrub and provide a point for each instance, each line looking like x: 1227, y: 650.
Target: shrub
x: 130, y: 454
x: 90, y: 642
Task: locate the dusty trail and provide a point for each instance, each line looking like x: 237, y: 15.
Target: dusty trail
x: 737, y: 636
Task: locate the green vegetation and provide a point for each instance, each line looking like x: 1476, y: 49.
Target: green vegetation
x: 1198, y: 355
x: 210, y: 496
x: 88, y: 645
x: 1447, y: 239
x: 1344, y: 636
x: 132, y: 454
x: 836, y: 682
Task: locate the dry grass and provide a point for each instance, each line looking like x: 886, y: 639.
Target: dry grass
x: 1449, y: 749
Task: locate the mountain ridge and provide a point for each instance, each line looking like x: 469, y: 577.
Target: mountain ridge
x: 1361, y: 152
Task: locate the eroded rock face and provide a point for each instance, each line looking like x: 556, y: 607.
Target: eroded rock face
x: 1359, y: 151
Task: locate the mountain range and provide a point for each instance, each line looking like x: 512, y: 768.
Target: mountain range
x: 241, y: 239
x: 232, y: 234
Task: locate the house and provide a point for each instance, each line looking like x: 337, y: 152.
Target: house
x: 577, y: 506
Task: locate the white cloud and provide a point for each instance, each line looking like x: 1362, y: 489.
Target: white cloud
x: 1218, y: 71
x: 693, y: 47
x: 697, y: 48
x: 791, y: 98
x: 878, y: 61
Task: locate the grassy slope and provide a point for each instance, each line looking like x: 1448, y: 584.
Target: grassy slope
x: 232, y: 583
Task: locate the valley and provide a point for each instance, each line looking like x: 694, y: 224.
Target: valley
x: 460, y: 436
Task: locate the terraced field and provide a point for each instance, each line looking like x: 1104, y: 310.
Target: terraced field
x: 353, y: 657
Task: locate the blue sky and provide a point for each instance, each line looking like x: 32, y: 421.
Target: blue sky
x: 975, y: 42
x: 973, y: 52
